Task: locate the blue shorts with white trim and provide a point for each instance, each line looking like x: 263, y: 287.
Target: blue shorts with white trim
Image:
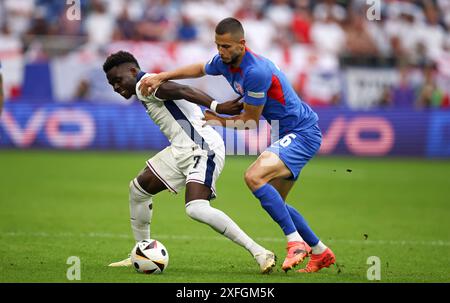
x: 296, y: 148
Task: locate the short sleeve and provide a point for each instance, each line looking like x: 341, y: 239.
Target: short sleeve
x: 213, y: 66
x: 256, y: 84
x: 152, y: 97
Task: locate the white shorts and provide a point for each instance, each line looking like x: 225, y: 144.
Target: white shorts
x: 176, y: 167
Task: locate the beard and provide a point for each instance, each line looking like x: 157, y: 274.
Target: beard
x: 233, y: 61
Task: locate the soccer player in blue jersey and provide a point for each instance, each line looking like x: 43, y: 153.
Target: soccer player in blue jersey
x: 267, y: 92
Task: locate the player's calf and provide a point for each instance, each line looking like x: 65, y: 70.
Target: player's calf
x: 141, y: 211
x: 201, y: 211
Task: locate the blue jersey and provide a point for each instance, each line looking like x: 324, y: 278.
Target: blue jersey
x: 261, y: 82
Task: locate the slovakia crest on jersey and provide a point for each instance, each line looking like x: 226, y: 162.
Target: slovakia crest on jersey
x: 238, y: 88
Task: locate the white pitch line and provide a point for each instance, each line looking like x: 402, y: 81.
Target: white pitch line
x: 216, y: 238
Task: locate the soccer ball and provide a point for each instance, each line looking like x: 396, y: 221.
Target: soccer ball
x: 150, y: 257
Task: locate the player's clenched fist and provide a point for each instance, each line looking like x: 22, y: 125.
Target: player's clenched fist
x: 150, y: 84
x: 233, y: 107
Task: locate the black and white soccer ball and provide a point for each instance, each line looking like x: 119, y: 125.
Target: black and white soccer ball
x: 150, y: 257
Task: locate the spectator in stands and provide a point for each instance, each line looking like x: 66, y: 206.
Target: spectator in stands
x: 99, y: 24
x: 327, y: 34
x: 302, y: 22
x: 158, y: 21
x: 443, y: 66
x: 433, y: 32
x: 403, y: 93
x: 187, y: 30
x: 65, y: 27
x: 377, y: 31
x: 250, y: 9
x: 329, y: 8
x: 18, y: 15
x: 1, y: 90
x: 259, y: 31
x: 125, y: 27
x: 404, y: 28
x: 279, y: 12
x: 39, y: 25
x: 359, y: 42
x: 430, y: 95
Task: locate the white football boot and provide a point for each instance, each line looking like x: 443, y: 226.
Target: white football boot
x: 124, y: 263
x: 266, y: 261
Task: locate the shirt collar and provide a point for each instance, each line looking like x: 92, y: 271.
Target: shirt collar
x: 139, y: 76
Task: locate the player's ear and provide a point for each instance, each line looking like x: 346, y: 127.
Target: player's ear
x: 242, y: 43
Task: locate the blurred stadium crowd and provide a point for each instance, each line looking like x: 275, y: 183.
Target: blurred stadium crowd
x: 410, y: 38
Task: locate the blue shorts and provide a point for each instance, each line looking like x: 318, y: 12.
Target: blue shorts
x: 296, y: 148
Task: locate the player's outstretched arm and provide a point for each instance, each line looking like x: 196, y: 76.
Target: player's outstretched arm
x: 175, y: 91
x: 149, y: 84
x: 248, y: 119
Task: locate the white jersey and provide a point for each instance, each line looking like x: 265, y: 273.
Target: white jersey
x: 180, y: 121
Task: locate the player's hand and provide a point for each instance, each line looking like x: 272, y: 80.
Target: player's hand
x: 211, y: 118
x: 233, y: 107
x: 150, y: 84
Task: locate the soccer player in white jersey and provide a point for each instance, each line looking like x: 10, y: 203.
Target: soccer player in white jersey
x: 194, y: 158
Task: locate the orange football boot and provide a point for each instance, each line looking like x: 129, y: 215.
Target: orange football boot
x: 297, y: 252
x: 317, y: 262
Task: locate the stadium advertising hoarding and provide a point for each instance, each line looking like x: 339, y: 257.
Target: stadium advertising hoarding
x: 116, y: 127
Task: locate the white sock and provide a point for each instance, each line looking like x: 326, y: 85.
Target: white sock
x: 201, y: 210
x: 141, y: 211
x: 294, y: 237
x: 318, y: 248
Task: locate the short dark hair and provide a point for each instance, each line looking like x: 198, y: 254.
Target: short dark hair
x: 117, y: 59
x: 229, y: 26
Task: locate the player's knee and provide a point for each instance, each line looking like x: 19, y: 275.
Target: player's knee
x: 196, y: 208
x: 136, y: 192
x: 252, y: 179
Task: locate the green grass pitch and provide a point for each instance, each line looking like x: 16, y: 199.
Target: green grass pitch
x: 60, y: 204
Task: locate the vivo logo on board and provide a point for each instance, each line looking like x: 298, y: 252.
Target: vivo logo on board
x: 352, y: 131
x: 51, y: 122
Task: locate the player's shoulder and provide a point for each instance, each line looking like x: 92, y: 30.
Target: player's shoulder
x: 217, y: 62
x: 255, y: 63
x: 258, y: 73
x: 145, y: 75
x: 141, y: 97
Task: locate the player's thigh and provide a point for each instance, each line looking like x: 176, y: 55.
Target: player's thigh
x: 165, y: 167
x: 267, y: 167
x: 150, y: 182
x: 203, y: 172
x: 296, y: 149
x: 283, y: 186
x: 197, y: 191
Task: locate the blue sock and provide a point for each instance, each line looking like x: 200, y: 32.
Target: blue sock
x: 272, y: 202
x: 302, y: 226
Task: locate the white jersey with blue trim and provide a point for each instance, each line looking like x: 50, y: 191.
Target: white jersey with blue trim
x: 180, y: 121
